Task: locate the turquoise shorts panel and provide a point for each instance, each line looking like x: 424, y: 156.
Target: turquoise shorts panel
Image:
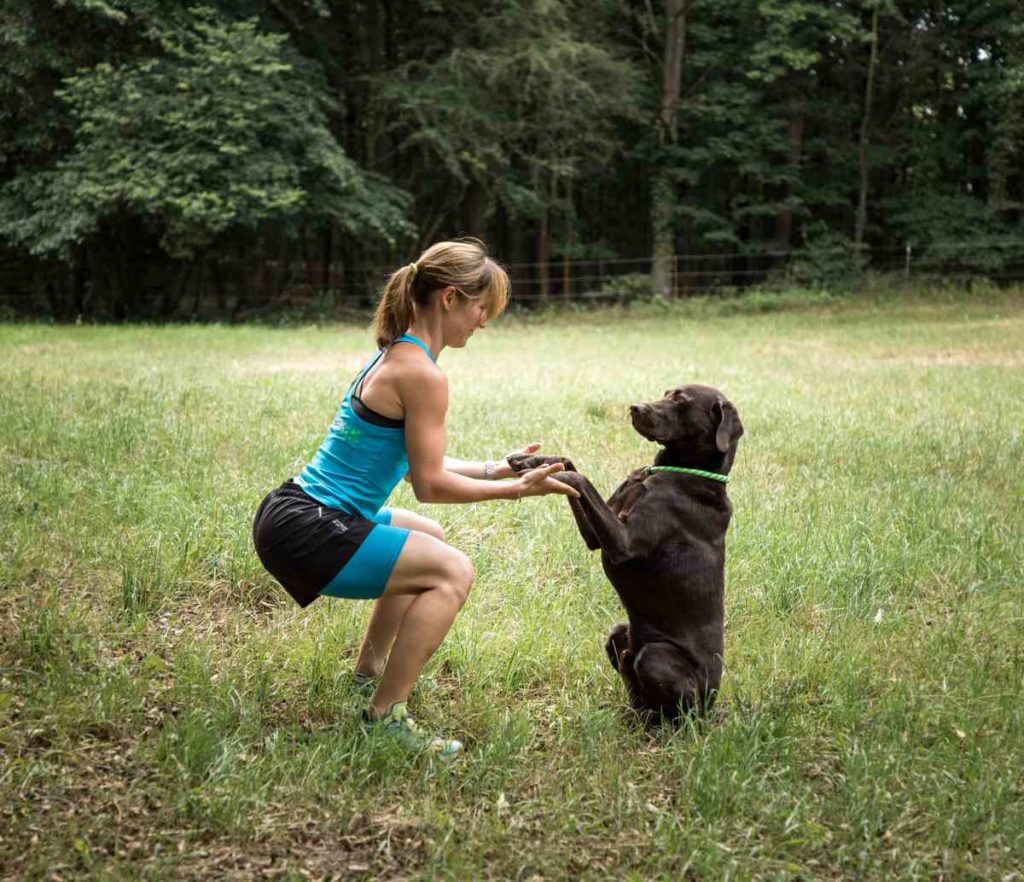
x: 382, y: 517
x: 366, y: 575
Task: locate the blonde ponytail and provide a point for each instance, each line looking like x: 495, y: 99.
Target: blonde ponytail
x: 461, y: 264
x: 395, y: 311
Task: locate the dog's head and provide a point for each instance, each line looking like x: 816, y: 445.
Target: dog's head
x: 695, y: 421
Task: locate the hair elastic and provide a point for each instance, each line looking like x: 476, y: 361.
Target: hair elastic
x: 414, y: 268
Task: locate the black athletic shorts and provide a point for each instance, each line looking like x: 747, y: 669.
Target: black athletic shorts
x: 308, y: 547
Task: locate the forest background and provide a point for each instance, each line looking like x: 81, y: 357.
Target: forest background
x: 224, y: 160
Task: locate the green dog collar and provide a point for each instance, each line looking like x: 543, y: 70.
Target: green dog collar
x: 714, y: 476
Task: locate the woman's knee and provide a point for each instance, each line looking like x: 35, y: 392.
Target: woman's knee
x: 458, y: 575
x: 433, y: 528
x: 401, y: 517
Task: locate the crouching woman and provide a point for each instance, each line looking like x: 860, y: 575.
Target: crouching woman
x: 327, y: 532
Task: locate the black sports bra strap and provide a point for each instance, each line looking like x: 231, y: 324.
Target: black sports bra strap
x: 361, y: 376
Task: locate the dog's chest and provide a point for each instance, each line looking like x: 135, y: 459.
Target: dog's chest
x: 626, y: 498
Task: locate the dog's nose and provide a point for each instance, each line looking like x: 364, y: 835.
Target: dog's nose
x: 634, y: 409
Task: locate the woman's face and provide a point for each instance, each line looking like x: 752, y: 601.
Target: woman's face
x: 464, y: 317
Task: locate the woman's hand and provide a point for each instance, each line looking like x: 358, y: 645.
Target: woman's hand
x: 504, y: 467
x: 526, y: 451
x: 538, y: 482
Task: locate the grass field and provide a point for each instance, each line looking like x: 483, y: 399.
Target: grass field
x: 167, y: 712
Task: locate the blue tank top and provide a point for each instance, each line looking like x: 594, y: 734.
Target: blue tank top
x: 360, y: 462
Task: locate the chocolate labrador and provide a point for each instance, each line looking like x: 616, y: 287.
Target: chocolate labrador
x: 662, y: 541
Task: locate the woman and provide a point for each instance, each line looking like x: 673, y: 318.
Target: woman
x: 326, y: 532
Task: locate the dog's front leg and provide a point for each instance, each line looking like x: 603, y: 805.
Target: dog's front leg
x: 606, y: 529
x: 586, y: 531
x: 521, y: 463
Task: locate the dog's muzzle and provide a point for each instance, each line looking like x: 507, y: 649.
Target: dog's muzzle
x: 640, y: 417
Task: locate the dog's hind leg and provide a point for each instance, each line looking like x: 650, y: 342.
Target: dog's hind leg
x: 669, y: 684
x: 617, y: 644
x: 621, y: 655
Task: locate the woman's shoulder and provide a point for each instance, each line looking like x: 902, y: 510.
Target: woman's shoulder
x: 407, y: 363
x: 420, y: 384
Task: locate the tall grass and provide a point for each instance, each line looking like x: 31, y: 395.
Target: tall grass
x: 166, y: 711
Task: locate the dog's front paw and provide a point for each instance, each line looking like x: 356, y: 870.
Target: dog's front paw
x: 521, y: 462
x: 573, y: 479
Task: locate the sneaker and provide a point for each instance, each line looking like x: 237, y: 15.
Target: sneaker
x: 398, y: 724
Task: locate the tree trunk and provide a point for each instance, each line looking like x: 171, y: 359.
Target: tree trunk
x: 566, y: 279
x: 542, y: 254
x: 174, y: 292
x: 543, y: 257
x: 517, y: 247
x: 119, y: 296
x: 783, y: 231
x: 862, y: 202
x: 663, y: 206
x: 325, y: 278
x: 197, y: 289
x: 80, y: 283
x: 663, y: 193
x: 473, y: 203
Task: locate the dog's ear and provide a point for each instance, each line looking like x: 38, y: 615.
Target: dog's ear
x: 728, y: 427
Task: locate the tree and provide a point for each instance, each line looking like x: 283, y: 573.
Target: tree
x: 515, y: 116
x: 663, y: 201
x: 150, y: 148
x: 221, y: 129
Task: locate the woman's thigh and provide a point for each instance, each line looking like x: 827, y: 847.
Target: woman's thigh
x: 402, y: 517
x: 426, y: 563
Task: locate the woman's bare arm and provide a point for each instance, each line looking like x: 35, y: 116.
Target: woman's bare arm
x: 424, y: 394
x: 473, y: 469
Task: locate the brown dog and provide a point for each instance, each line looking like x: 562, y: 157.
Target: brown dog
x: 662, y: 541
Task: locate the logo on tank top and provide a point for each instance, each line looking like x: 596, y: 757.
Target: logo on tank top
x: 348, y: 434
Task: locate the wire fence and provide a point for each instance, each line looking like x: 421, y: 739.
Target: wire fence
x: 998, y: 260
x: 251, y: 288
